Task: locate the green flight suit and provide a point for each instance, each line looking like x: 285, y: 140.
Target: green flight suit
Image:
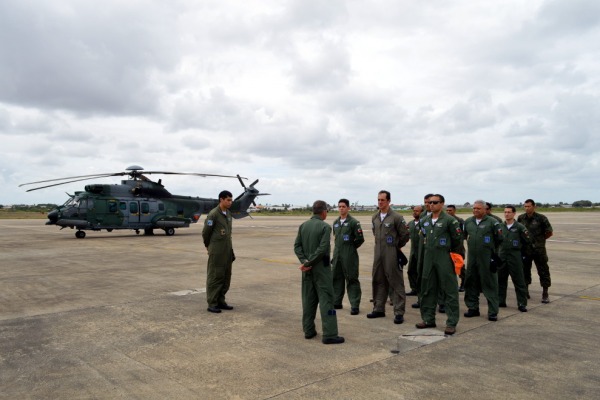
x: 312, y: 247
x: 515, y: 239
x: 482, y: 242
x: 412, y: 273
x: 216, y: 235
x: 462, y: 251
x: 390, y: 235
x: 537, y: 225
x: 438, y: 275
x: 348, y: 237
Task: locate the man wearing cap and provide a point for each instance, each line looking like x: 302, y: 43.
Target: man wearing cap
x: 312, y: 247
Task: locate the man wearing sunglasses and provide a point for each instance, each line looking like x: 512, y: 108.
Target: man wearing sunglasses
x: 441, y: 234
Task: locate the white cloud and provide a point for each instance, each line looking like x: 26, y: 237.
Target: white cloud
x: 317, y: 99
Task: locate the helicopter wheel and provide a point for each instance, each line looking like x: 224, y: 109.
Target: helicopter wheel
x: 80, y: 234
x: 170, y: 231
x: 109, y: 230
x: 137, y: 231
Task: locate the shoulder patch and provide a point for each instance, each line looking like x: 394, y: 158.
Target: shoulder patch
x: 209, y: 222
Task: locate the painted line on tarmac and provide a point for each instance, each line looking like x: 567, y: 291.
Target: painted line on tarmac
x: 188, y: 292
x: 574, y: 241
x: 278, y: 261
x: 589, y: 298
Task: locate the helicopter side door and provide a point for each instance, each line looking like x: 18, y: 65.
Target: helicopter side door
x: 140, y: 213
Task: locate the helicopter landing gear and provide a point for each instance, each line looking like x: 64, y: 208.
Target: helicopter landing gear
x: 169, y: 231
x: 80, y: 234
x: 148, y: 232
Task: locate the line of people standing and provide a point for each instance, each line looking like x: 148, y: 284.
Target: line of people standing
x: 496, y: 250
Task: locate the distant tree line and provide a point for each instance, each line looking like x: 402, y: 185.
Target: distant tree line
x: 32, y: 208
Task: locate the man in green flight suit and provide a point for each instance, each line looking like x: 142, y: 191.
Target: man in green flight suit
x: 414, y: 229
x: 216, y: 235
x: 539, y: 230
x: 483, y: 234
x: 451, y: 210
x: 312, y: 247
x: 516, y: 237
x: 441, y: 234
x: 348, y: 237
x: 391, y: 234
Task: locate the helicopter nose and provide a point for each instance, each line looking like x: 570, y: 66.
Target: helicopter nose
x: 52, y: 217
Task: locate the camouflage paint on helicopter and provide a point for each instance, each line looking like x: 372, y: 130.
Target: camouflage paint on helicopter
x: 138, y: 204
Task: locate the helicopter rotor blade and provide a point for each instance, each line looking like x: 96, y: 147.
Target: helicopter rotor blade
x: 241, y: 182
x: 76, y: 177
x: 190, y: 173
x: 64, y: 183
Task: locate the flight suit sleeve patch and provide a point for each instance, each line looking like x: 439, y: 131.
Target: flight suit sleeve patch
x: 209, y: 222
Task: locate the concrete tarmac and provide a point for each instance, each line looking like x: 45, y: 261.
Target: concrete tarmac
x: 120, y: 315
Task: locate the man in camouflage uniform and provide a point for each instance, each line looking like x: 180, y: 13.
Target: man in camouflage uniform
x: 391, y: 234
x: 441, y: 234
x: 312, y: 247
x: 539, y: 230
x: 516, y: 237
x: 348, y: 237
x: 216, y: 235
x: 483, y: 234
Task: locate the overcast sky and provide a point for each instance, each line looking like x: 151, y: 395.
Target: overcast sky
x: 318, y: 99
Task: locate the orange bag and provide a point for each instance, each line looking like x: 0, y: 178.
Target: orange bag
x: 458, y: 262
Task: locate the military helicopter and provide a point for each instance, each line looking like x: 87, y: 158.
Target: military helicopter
x: 137, y: 204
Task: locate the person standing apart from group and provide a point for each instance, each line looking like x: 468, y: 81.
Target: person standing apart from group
x: 539, y: 230
x: 516, y: 238
x: 441, y: 234
x: 391, y: 234
x: 312, y: 247
x: 483, y: 234
x: 216, y: 235
x: 348, y: 237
